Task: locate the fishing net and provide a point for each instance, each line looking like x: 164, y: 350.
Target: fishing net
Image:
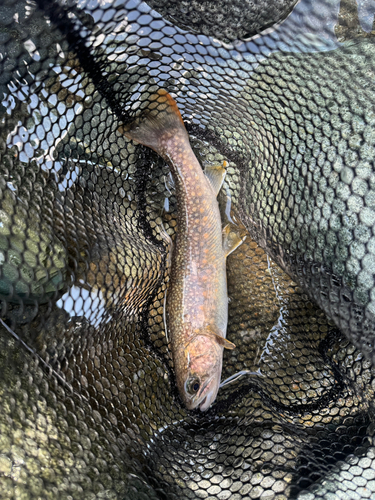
x: 89, y: 406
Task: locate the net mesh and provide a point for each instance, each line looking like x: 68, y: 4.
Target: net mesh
x: 89, y: 406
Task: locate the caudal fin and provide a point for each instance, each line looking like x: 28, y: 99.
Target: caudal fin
x: 160, y: 120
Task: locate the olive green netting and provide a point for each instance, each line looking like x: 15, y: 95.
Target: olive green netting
x: 89, y: 407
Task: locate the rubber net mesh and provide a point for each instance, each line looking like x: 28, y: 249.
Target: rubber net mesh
x: 89, y: 407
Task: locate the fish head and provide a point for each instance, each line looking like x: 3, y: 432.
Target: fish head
x: 199, y: 376
x: 200, y: 382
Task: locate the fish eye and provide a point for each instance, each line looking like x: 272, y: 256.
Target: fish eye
x: 192, y: 385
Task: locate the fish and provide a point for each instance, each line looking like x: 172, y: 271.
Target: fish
x: 197, y: 300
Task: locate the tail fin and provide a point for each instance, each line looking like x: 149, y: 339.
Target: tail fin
x: 159, y: 120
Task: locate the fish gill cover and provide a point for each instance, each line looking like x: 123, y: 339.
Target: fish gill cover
x: 89, y: 406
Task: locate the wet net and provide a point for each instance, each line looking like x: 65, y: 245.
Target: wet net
x: 89, y: 406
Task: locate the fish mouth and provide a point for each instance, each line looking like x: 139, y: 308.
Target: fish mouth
x: 209, y: 397
x: 208, y: 400
x: 202, y: 404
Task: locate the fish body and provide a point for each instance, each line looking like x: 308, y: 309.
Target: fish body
x: 197, y: 300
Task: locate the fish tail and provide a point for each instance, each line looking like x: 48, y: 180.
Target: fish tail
x: 160, y: 120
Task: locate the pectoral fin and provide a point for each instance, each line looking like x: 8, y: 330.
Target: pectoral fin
x: 232, y: 238
x: 225, y: 343
x: 219, y: 339
x: 216, y: 175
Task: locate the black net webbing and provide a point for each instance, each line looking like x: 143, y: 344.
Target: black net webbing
x: 284, y: 93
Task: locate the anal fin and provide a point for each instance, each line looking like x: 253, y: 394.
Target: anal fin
x: 215, y: 176
x: 232, y: 238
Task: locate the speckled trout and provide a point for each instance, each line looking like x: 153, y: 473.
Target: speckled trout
x: 197, y: 300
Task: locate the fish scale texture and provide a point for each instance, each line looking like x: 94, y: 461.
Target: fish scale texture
x: 88, y: 398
